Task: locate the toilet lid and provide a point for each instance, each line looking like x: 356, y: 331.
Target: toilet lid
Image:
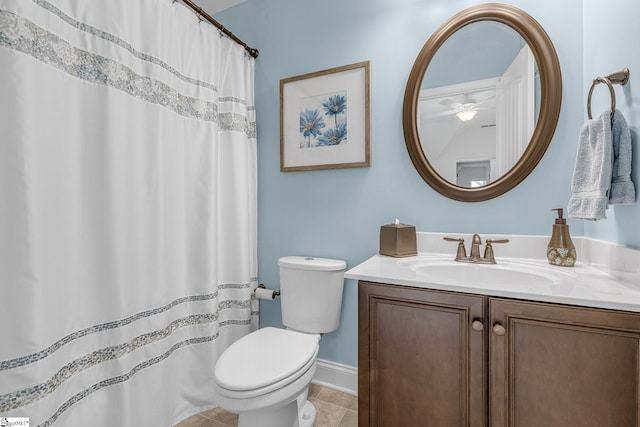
x: 264, y: 357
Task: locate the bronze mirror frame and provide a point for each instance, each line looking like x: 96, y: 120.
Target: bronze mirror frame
x: 550, y: 99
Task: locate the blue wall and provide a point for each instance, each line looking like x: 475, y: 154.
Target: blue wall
x: 611, y: 43
x: 337, y: 213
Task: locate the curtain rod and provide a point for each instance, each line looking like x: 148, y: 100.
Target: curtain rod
x: 201, y: 13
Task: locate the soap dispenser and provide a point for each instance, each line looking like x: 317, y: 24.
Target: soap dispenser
x: 561, y: 250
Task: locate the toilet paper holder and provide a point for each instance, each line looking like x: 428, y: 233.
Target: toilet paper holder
x: 261, y: 292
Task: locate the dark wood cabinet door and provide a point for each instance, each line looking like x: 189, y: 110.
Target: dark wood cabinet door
x: 421, y: 359
x: 560, y: 366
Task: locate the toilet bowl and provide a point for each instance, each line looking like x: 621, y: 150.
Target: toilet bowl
x: 264, y: 377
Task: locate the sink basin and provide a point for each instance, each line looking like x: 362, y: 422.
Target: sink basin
x: 457, y: 273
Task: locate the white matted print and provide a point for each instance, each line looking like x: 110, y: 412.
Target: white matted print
x: 324, y: 119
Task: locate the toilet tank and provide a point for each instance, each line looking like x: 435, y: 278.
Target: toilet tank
x: 311, y: 293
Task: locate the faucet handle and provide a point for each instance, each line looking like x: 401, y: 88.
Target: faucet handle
x: 489, y: 241
x: 461, y: 252
x: 488, y: 250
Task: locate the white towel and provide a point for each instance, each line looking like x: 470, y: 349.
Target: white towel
x: 622, y: 191
x: 592, y: 170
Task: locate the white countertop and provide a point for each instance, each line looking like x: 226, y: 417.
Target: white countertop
x: 582, y: 285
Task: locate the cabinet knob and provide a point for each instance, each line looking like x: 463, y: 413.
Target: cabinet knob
x: 498, y: 329
x: 477, y: 325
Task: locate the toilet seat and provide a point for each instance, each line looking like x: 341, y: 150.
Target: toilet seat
x: 265, y: 360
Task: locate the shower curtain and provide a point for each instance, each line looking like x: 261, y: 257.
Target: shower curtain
x: 127, y: 210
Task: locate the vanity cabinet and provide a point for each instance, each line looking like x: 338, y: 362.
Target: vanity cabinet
x: 438, y: 358
x: 420, y: 360
x: 558, y: 365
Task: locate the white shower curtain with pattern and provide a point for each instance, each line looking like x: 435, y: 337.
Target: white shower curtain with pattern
x: 127, y: 210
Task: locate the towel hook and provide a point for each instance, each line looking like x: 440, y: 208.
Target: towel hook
x: 620, y: 77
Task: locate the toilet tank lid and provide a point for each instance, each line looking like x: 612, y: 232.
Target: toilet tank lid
x: 312, y: 263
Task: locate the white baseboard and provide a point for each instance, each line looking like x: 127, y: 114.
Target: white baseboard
x: 337, y: 376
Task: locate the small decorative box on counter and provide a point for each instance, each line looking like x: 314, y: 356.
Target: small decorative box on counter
x: 398, y: 240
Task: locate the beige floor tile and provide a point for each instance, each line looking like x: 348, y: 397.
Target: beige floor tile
x: 222, y: 416
x: 314, y: 390
x: 189, y: 422
x: 339, y: 398
x: 350, y: 419
x: 199, y: 421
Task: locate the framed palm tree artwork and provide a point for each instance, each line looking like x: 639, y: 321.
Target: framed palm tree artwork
x: 324, y: 119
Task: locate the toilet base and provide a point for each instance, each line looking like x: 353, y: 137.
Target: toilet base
x: 284, y: 416
x: 307, y: 415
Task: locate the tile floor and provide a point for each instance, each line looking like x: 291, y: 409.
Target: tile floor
x: 334, y: 409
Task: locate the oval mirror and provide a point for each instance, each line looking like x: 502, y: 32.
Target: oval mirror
x: 482, y: 102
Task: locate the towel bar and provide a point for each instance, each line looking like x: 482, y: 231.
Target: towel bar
x: 621, y: 77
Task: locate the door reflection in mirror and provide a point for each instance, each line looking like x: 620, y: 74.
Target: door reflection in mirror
x: 473, y: 174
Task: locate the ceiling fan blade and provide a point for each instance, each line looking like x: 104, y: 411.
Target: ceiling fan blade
x: 445, y: 113
x: 450, y: 103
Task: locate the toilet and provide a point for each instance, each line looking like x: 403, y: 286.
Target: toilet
x: 264, y: 376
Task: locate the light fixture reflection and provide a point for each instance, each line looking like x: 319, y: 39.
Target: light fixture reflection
x: 466, y: 115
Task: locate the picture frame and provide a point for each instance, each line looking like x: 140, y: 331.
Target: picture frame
x: 325, y: 119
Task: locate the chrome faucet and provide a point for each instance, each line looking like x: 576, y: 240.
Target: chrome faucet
x: 474, y: 255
